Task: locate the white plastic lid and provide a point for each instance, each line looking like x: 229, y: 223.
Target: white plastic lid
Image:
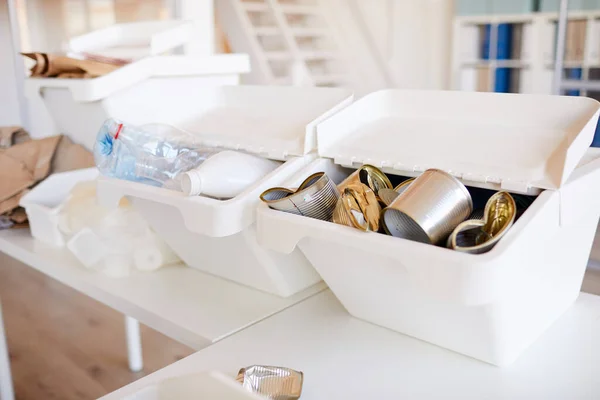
x: 86, y: 90
x: 133, y: 40
x: 517, y: 142
x: 274, y: 122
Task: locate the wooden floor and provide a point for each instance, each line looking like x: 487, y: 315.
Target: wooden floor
x: 64, y: 345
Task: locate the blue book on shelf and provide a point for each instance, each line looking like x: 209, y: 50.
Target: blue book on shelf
x: 485, y: 43
x: 596, y: 141
x: 573, y: 73
x: 502, y: 78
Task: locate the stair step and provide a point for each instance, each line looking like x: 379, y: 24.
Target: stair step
x: 267, y: 31
x: 282, y: 81
x: 300, y: 9
x: 325, y: 79
x: 255, y: 6
x: 309, y: 32
x: 278, y: 55
x: 320, y: 55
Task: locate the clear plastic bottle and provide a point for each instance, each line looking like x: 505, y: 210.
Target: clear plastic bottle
x: 151, y: 154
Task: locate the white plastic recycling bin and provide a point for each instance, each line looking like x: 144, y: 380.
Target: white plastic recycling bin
x: 219, y: 236
x: 77, y: 107
x: 489, y: 306
x: 133, y: 40
x: 44, y: 202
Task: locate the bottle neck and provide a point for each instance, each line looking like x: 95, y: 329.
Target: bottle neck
x: 191, y: 183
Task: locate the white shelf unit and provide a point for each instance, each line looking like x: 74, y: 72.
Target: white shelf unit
x: 290, y: 42
x: 535, y: 62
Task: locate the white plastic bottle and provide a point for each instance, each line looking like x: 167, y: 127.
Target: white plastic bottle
x: 226, y: 174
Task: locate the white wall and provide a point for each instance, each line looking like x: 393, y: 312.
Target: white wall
x: 414, y: 37
x: 10, y: 112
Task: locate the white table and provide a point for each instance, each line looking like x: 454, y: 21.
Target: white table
x: 192, y: 307
x: 345, y: 358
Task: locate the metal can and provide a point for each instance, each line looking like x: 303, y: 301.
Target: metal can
x: 316, y: 198
x: 387, y: 196
x: 275, y: 383
x: 358, y: 207
x: 370, y: 176
x: 480, y: 236
x: 429, y: 209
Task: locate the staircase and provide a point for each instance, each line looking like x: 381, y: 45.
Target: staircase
x: 290, y: 42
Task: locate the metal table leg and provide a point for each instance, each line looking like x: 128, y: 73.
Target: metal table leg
x: 134, y: 344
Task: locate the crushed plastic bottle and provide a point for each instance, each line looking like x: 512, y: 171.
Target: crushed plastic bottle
x: 151, y: 154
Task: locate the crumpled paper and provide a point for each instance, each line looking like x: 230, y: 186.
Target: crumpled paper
x: 24, y: 162
x: 11, y: 135
x: 60, y: 66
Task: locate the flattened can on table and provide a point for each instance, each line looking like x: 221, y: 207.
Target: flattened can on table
x: 275, y: 383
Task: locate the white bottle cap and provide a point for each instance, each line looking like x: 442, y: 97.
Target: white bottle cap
x: 191, y: 183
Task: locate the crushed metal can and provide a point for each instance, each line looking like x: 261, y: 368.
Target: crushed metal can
x: 316, y: 198
x: 358, y: 207
x: 275, y: 383
x: 369, y: 176
x: 478, y: 236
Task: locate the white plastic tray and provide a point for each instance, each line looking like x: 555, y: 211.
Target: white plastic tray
x: 88, y: 90
x: 133, y: 40
x: 77, y: 107
x: 42, y: 203
x: 219, y: 236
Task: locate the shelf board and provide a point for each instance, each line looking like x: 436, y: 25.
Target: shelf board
x: 510, y: 64
x: 568, y: 64
x: 495, y: 19
x: 523, y: 17
x: 190, y: 306
x: 576, y: 84
x: 495, y: 64
x: 572, y: 15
